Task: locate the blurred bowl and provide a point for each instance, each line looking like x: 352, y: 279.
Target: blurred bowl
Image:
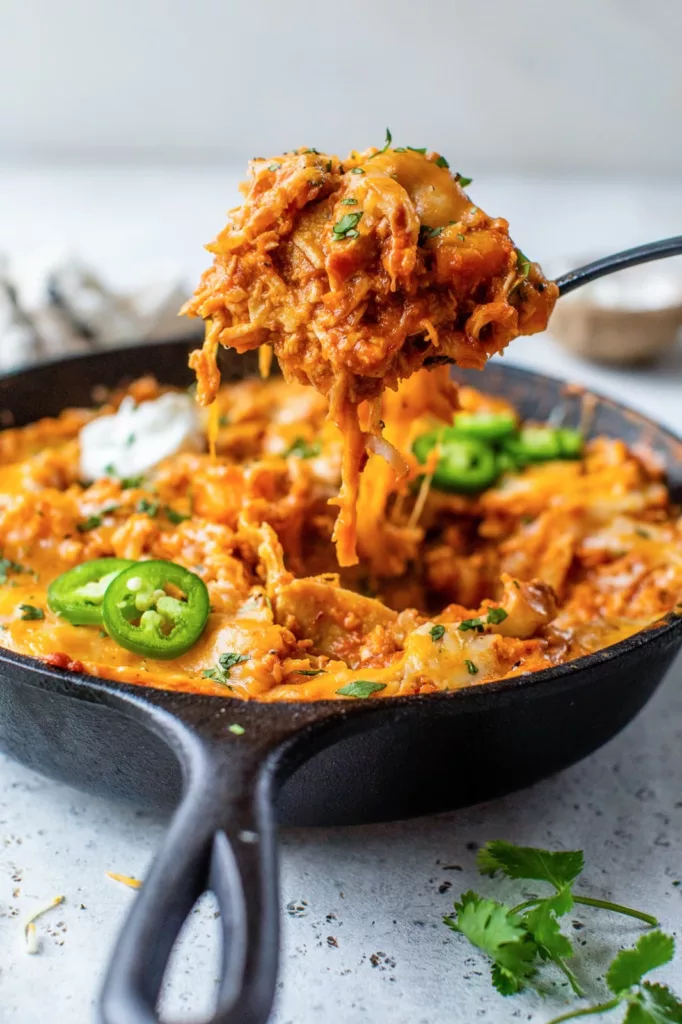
x: 630, y: 317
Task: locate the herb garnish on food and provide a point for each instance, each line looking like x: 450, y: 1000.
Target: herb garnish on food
x: 29, y: 611
x: 474, y: 624
x: 302, y: 449
x: 361, y: 688
x: 221, y: 672
x: 346, y: 227
x: 7, y: 566
x: 437, y: 633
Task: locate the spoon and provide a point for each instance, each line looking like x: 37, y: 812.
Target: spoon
x: 619, y: 261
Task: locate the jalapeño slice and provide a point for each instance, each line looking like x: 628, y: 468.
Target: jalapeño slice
x: 466, y: 464
x: 157, y: 609
x: 77, y: 595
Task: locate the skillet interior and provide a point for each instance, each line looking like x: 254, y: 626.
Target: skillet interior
x: 425, y: 754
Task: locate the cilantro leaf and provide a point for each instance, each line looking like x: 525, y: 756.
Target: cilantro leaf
x: 175, y: 517
x: 559, y: 869
x: 437, y: 633
x: 29, y: 611
x: 425, y: 232
x: 668, y: 1005
x: 387, y: 143
x: 462, y: 180
x: 467, y: 624
x: 501, y: 935
x: 496, y: 615
x: 301, y: 449
x: 361, y: 688
x: 151, y: 508
x: 523, y: 264
x: 347, y: 224
x: 7, y: 566
x: 654, y: 949
x: 309, y: 671
x: 472, y: 669
x: 442, y: 162
x: 91, y: 523
x: 221, y: 672
x: 542, y: 924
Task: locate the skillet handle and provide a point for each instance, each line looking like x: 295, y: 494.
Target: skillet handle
x: 222, y: 839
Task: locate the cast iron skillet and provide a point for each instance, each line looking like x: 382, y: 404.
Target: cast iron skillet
x: 325, y: 763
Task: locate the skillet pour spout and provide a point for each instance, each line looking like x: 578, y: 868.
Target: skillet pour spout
x: 326, y: 763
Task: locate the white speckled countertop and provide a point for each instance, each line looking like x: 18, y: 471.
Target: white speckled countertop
x: 363, y: 941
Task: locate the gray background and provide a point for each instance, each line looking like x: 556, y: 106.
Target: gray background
x: 534, y: 85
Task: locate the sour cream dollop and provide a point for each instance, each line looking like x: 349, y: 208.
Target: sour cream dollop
x: 138, y: 437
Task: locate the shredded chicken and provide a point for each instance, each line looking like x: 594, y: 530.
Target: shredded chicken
x: 357, y: 273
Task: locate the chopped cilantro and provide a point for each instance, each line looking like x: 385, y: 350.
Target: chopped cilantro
x: 221, y: 672
x: 349, y: 202
x: 415, y: 149
x: 274, y: 167
x: 361, y: 688
x: 130, y: 482
x: 462, y: 180
x: 224, y: 420
x: 357, y: 170
x: 151, y: 508
x: 471, y: 668
x: 523, y: 264
x: 7, y: 566
x: 301, y: 449
x: 496, y: 615
x: 474, y: 624
x: 425, y: 232
x: 130, y: 440
x: 345, y: 228
x: 437, y: 633
x: 387, y: 143
x: 29, y: 612
x: 309, y: 671
x: 91, y: 523
x: 175, y: 517
x: 236, y: 729
x: 442, y: 162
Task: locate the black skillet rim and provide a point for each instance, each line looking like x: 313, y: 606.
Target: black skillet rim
x: 668, y: 625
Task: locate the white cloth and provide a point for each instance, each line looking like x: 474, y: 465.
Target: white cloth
x: 62, y: 308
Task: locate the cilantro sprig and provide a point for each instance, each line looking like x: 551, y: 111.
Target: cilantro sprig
x: 519, y: 938
x: 646, y: 1002
x: 7, y: 566
x: 560, y: 869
